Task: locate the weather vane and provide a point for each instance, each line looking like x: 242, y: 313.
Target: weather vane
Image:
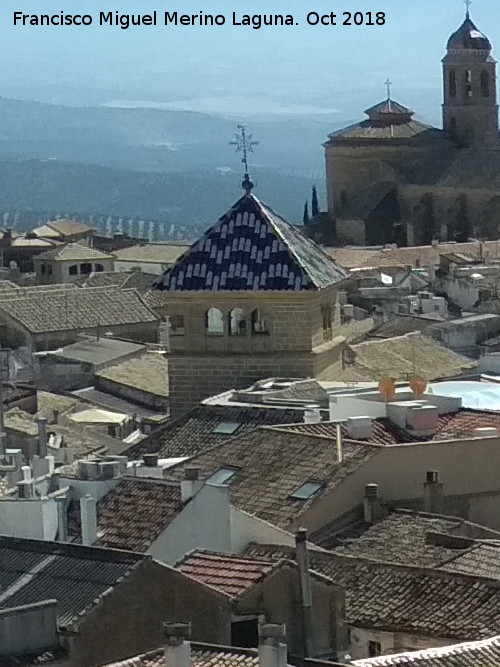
x: 244, y: 144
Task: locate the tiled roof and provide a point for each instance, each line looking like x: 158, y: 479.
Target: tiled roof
x: 147, y: 373
x: 228, y: 573
x: 32, y: 571
x: 76, y: 309
x: 156, y: 253
x: 359, y: 257
x: 74, y: 251
x: 389, y: 107
x: 62, y: 227
x: 123, y: 279
x: 485, y: 653
x: 400, y: 356
x: 394, y: 598
x: 455, y: 425
x: 272, y: 464
x: 402, y: 538
x: 133, y: 514
x: 193, y: 432
x: 366, y: 130
x: 481, y: 559
x: 400, y: 325
x: 201, y: 656
x: 251, y: 248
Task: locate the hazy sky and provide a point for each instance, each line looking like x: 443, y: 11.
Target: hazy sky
x: 338, y: 70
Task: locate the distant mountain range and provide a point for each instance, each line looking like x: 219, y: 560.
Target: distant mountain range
x: 173, y: 165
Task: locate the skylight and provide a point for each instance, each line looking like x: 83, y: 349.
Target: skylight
x: 222, y: 476
x: 226, y: 428
x: 306, y: 491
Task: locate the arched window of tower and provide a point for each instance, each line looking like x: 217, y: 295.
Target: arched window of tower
x: 214, y: 322
x: 485, y: 84
x: 468, y: 83
x: 237, y: 323
x: 452, y: 83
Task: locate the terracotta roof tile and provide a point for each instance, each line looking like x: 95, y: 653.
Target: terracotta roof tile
x: 133, y: 514
x: 228, y: 573
x: 272, y: 464
x: 485, y: 653
x: 201, y: 656
x: 194, y: 431
x: 395, y: 598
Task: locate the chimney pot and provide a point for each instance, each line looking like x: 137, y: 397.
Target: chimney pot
x: 178, y: 647
x: 177, y: 632
x: 301, y: 535
x: 371, y: 491
x: 433, y: 493
x: 150, y: 460
x: 272, y: 631
x: 373, y: 509
x: 272, y: 648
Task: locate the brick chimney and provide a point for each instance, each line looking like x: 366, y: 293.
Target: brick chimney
x: 433, y: 493
x: 177, y: 645
x: 372, y: 504
x: 272, y: 647
x: 191, y: 483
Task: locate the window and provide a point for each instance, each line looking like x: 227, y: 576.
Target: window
x: 259, y: 324
x: 452, y: 83
x: 226, y: 428
x: 49, y: 269
x: 99, y: 268
x: 237, y: 323
x: 73, y: 270
x: 485, y: 84
x: 85, y: 268
x: 43, y: 269
x: 222, y: 476
x: 214, y: 322
x: 306, y: 491
x: 177, y: 325
x: 374, y: 649
x: 468, y: 83
x: 326, y: 315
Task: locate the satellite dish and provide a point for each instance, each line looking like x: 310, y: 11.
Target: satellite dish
x: 418, y: 385
x: 387, y: 388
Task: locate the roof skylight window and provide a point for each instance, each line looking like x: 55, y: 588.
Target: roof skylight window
x: 222, y: 477
x: 226, y: 428
x: 306, y: 491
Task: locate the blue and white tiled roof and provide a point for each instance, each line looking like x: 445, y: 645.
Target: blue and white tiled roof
x: 252, y: 249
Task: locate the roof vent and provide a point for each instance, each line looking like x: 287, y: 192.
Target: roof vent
x: 312, y: 415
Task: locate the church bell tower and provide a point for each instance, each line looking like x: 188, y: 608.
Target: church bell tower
x: 470, y: 109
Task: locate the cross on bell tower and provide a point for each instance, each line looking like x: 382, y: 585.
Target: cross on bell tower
x: 244, y: 144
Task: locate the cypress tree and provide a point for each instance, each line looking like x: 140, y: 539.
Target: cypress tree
x: 314, y: 202
x: 305, y: 217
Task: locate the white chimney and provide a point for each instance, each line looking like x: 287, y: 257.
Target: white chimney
x: 177, y: 645
x: 359, y: 428
x: 62, y: 519
x: 191, y: 484
x: 372, y: 504
x: 312, y: 415
x: 88, y: 514
x: 272, y: 647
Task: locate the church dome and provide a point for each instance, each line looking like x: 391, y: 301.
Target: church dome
x: 468, y: 37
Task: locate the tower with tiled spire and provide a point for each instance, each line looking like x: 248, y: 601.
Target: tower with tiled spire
x: 252, y: 298
x: 470, y: 110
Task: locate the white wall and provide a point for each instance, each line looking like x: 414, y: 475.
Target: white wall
x: 79, y: 488
x: 490, y: 363
x: 246, y: 528
x: 31, y: 519
x: 462, y: 292
x: 204, y: 523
